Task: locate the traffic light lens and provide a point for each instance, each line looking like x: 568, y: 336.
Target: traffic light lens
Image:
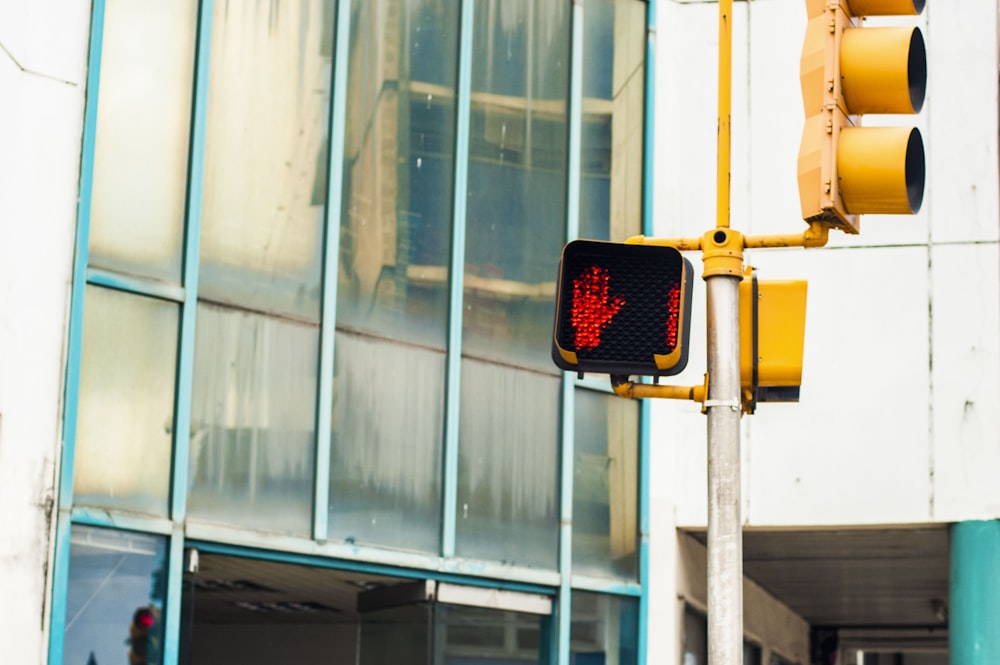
x: 915, y: 167
x: 144, y: 619
x: 917, y: 70
x: 592, y: 308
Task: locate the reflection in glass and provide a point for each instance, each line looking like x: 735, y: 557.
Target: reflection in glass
x: 507, y: 480
x: 112, y: 576
x: 126, y: 409
x: 266, y: 155
x: 385, y: 468
x: 517, y: 180
x: 604, y: 629
x: 253, y: 421
x: 613, y: 118
x: 605, y: 485
x: 477, y: 636
x: 395, y: 228
x: 141, y: 152
x: 392, y: 309
x: 508, y: 476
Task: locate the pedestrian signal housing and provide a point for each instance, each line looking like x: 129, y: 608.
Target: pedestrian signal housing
x: 622, y: 309
x: 772, y: 339
x: 848, y: 71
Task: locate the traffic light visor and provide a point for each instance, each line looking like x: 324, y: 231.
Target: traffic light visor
x: 622, y: 309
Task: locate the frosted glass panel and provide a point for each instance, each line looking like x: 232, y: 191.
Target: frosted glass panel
x: 605, y: 485
x: 126, y: 409
x: 266, y: 155
x: 398, y: 169
x: 388, y: 428
x: 141, y: 154
x: 253, y: 421
x: 613, y: 117
x: 508, y: 476
x: 517, y: 180
x: 112, y: 576
x: 392, y: 307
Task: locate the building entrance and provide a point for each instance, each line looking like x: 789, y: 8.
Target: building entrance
x: 240, y: 610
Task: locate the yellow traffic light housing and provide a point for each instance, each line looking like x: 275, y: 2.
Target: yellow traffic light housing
x: 847, y: 70
x: 772, y: 339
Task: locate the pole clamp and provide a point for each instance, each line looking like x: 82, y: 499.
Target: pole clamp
x: 733, y: 404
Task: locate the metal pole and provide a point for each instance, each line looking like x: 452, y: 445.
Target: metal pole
x: 725, y: 541
x: 723, y: 256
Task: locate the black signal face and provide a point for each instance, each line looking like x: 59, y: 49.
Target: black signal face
x: 622, y: 309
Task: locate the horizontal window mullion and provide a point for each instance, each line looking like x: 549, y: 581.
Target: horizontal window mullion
x: 137, y: 285
x: 120, y: 520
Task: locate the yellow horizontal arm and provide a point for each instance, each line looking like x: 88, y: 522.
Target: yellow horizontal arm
x: 815, y: 236
x: 633, y: 390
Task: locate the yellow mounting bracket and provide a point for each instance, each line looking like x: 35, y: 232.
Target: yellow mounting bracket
x: 722, y: 252
x: 815, y: 236
x: 632, y: 390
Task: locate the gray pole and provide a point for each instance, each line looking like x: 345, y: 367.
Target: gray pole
x: 725, y: 539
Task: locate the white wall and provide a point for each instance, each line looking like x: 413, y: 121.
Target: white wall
x: 42, y: 77
x: 897, y: 421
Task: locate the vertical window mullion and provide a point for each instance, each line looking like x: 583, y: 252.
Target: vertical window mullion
x: 647, y: 228
x: 573, y: 175
x: 185, y: 355
x: 331, y: 252
x: 456, y: 275
x: 60, y: 563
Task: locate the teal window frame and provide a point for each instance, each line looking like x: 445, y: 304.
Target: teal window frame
x: 316, y: 551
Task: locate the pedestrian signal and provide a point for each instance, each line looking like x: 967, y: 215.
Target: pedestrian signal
x: 622, y: 309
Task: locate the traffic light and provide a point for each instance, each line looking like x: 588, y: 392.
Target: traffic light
x: 772, y: 339
x: 847, y: 71
x: 143, y: 637
x: 622, y: 309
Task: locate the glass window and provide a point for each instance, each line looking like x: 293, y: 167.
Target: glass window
x: 508, y: 452
x: 483, y: 636
x: 266, y: 156
x: 508, y: 476
x: 253, y: 421
x: 613, y: 117
x: 126, y: 409
x: 385, y: 469
x: 141, y: 153
x: 605, y: 485
x: 392, y: 309
x: 695, y: 638
x: 604, y: 630
x: 115, y: 597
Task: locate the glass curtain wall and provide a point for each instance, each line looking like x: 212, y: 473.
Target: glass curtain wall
x: 392, y: 277
x: 257, y: 343
x: 195, y: 395
x: 509, y: 453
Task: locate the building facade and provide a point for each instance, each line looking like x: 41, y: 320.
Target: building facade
x: 276, y: 381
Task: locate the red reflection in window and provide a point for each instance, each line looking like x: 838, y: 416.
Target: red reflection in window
x: 592, y: 308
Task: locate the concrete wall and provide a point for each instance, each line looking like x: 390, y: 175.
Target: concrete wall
x: 897, y: 421
x: 42, y: 81
x: 766, y: 621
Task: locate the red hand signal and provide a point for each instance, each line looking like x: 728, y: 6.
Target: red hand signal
x: 592, y: 309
